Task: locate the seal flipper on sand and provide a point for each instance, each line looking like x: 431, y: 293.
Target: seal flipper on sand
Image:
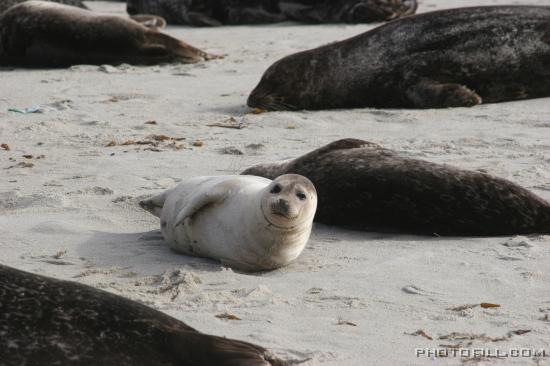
x: 431, y: 94
x: 155, y: 204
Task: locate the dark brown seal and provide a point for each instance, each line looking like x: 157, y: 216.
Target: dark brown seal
x: 361, y: 185
x: 38, y: 33
x: 44, y: 321
x: 232, y: 12
x: 448, y: 58
x: 6, y: 4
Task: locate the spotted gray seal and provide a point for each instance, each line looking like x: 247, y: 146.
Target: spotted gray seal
x: 364, y: 186
x: 38, y: 33
x: 447, y: 58
x: 231, y: 12
x: 45, y: 321
x: 248, y: 223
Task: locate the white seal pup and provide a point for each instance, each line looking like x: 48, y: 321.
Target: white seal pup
x: 246, y: 222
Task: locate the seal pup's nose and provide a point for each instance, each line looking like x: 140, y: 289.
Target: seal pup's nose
x: 281, y: 207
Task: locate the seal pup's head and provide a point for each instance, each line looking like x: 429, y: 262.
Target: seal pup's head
x: 289, y: 201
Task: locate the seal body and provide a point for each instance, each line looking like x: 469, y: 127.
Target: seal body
x: 449, y: 58
x: 45, y: 321
x: 6, y: 4
x: 231, y: 12
x: 248, y: 223
x: 38, y: 33
x: 364, y: 186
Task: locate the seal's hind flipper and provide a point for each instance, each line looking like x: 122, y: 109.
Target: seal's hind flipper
x: 154, y: 205
x: 431, y: 94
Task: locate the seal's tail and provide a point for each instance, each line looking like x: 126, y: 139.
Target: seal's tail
x: 174, y: 49
x: 154, y: 205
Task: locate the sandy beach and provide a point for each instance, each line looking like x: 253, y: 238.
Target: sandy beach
x: 106, y: 137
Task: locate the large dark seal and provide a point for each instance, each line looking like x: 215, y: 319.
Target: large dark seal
x: 232, y: 12
x: 44, y: 321
x: 6, y: 4
x: 38, y: 33
x: 363, y: 186
x: 448, y: 58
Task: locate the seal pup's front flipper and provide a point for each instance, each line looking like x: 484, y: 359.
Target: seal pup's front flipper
x: 431, y: 94
x: 201, y: 200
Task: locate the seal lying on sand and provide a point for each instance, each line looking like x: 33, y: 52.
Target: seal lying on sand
x: 45, y: 321
x: 6, y: 4
x: 448, y: 58
x: 219, y: 12
x: 364, y: 186
x: 248, y: 223
x: 38, y: 33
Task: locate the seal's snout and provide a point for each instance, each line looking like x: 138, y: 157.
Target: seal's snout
x: 253, y: 100
x: 283, y: 208
x: 259, y: 98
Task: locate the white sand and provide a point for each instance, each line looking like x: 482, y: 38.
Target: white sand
x: 82, y: 198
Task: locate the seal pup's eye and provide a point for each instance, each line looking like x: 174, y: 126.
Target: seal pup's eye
x: 276, y: 189
x: 301, y: 196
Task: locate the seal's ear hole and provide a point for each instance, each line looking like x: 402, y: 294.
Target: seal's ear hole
x: 276, y: 189
x: 301, y: 195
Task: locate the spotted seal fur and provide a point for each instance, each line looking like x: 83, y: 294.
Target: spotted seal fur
x: 364, y: 186
x: 232, y: 12
x: 448, y: 58
x: 45, y: 321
